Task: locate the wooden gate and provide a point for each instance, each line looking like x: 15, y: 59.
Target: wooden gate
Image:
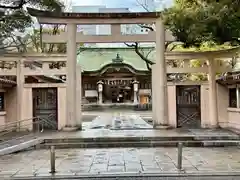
x: 45, y: 106
x: 188, y: 106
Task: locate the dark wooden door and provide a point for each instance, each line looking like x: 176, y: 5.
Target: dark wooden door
x: 188, y: 106
x: 45, y: 106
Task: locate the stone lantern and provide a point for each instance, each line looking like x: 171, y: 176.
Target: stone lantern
x: 135, y: 91
x: 100, y: 90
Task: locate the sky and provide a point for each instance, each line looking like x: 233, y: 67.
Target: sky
x: 131, y: 4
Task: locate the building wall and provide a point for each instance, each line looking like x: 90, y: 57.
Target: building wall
x: 233, y: 119
x: 222, y: 104
x: 233, y: 114
x: 11, y: 105
x: 227, y: 117
x: 204, y: 106
x: 27, y: 109
x: 61, y: 107
x: 222, y: 98
x: 172, y: 108
x: 3, y: 118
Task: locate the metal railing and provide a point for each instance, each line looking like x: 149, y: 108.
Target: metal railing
x: 53, y: 158
x: 179, y: 164
x: 34, y: 124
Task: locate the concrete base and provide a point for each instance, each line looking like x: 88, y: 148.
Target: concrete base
x: 237, y: 131
x: 70, y: 129
x: 162, y: 127
x: 211, y: 127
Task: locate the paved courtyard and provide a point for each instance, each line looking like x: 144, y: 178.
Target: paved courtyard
x: 121, y: 160
x: 117, y: 121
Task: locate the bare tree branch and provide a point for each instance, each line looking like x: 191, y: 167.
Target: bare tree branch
x: 143, y: 5
x: 149, y: 53
x: 146, y: 27
x: 54, y: 32
x: 167, y: 44
x: 141, y: 55
x: 173, y: 47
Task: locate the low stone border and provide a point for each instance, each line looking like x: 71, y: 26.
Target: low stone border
x: 126, y: 175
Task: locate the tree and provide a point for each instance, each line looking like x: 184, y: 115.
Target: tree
x: 195, y: 22
x: 200, y: 25
x: 32, y: 41
x: 14, y: 19
x: 169, y: 46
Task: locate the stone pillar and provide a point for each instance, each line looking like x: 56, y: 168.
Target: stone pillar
x: 71, y: 89
x: 135, y: 92
x: 153, y: 94
x: 213, y: 110
x: 100, y: 90
x: 79, y: 97
x: 238, y: 96
x: 161, y: 77
x: 20, y: 89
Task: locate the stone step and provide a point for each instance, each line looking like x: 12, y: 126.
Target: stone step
x: 104, y: 142
x: 138, y: 139
x: 225, y: 175
x: 116, y: 144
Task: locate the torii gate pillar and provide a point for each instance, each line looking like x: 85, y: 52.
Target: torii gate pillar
x: 72, y: 100
x: 159, y: 85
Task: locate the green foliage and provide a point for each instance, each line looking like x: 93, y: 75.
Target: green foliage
x: 32, y: 41
x: 14, y: 19
x: 196, y: 21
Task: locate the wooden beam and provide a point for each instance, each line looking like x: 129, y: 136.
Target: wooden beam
x: 8, y: 72
x: 41, y: 72
x: 116, y: 29
x: 95, y: 21
x: 115, y: 37
x: 186, y: 70
x: 44, y: 85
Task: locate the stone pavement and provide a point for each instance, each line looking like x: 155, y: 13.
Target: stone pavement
x: 89, y: 115
x: 74, y: 162
x: 118, y: 121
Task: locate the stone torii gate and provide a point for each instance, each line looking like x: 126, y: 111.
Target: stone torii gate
x: 72, y: 37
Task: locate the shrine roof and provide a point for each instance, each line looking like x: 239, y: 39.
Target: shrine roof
x: 93, y: 59
x: 70, y: 15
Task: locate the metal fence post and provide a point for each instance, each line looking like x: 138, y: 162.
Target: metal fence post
x: 52, y: 159
x: 19, y: 126
x: 180, y: 148
x: 38, y: 125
